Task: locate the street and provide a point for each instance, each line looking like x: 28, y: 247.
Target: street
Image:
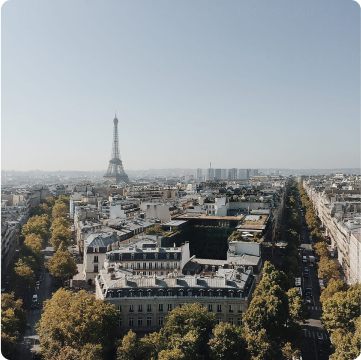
x: 313, y: 347
x: 30, y: 339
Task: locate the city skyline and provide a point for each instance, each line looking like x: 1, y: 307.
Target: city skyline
x: 245, y: 86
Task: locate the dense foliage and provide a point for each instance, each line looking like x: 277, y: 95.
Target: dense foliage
x: 13, y: 322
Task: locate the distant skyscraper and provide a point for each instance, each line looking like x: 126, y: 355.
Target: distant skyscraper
x: 243, y: 173
x: 254, y: 172
x: 224, y: 174
x: 218, y: 174
x: 115, y: 170
x: 232, y: 174
x: 210, y: 172
x: 199, y: 174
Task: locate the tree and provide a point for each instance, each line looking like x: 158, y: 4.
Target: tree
x: 130, y: 348
x: 44, y: 209
x: 37, y: 225
x: 13, y: 321
x: 60, y: 234
x: 35, y: 242
x: 341, y: 310
x: 321, y: 249
x: 332, y: 288
x: 61, y: 265
x: 63, y: 199
x: 229, y: 342
x: 298, y: 311
x: 59, y: 210
x: 260, y: 346
x: 24, y: 275
x: 88, y: 352
x: 268, y: 311
x: 327, y: 269
x: 290, y: 354
x: 77, y: 321
x: 50, y: 201
x: 58, y: 222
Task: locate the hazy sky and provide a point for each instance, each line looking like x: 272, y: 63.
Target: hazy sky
x: 245, y: 84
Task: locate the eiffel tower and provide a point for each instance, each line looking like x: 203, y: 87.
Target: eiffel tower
x: 115, y: 172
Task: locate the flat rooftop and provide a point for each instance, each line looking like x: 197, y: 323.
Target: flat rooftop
x: 204, y: 216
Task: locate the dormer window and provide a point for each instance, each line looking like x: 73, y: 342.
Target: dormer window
x: 96, y: 249
x: 175, y: 256
x: 144, y: 256
x: 132, y: 256
x: 156, y: 256
x: 168, y: 255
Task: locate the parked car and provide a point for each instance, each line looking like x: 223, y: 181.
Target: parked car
x: 304, y: 258
x: 320, y: 337
x: 308, y: 300
x: 308, y: 291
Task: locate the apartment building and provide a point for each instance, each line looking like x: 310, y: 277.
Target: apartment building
x: 339, y: 210
x: 144, y: 301
x: 147, y: 257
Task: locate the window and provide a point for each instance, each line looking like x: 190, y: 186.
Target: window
x: 240, y: 309
x: 180, y: 306
x: 131, y: 322
x: 131, y: 308
x: 155, y: 256
x: 231, y: 308
x: 120, y: 293
x: 210, y: 307
x: 170, y: 307
x: 140, y: 308
x: 161, y: 321
x: 149, y: 292
x: 131, y: 293
x: 231, y: 321
x: 140, y: 322
x: 119, y: 322
x: 168, y: 255
x: 239, y: 322
x: 170, y: 293
x: 160, y: 307
x: 149, y: 321
x: 95, y: 268
x: 140, y: 293
x: 175, y: 256
x: 189, y: 292
x: 149, y: 307
x: 150, y: 265
x: 144, y: 265
x: 144, y: 256
x: 201, y: 292
x: 180, y: 292
x: 119, y: 307
x: 160, y: 292
x: 230, y: 293
x: 96, y: 249
x: 219, y: 293
x: 95, y: 258
x: 219, y: 308
x: 132, y: 256
x: 219, y: 320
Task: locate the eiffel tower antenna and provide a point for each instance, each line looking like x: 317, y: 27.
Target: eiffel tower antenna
x: 115, y: 170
